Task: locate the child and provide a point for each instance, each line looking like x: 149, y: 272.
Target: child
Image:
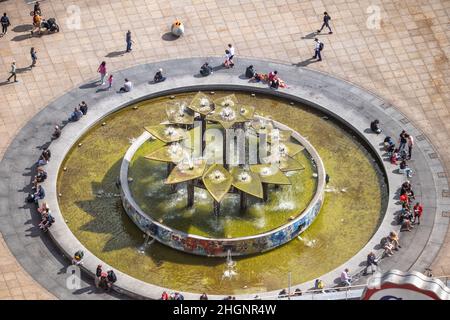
x: 228, y: 60
x: 394, y: 157
x: 110, y: 81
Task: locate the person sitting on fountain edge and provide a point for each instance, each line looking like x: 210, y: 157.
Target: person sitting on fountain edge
x: 250, y: 72
x: 158, y: 76
x: 375, y: 126
x: 75, y: 115
x: 127, y: 86
x: 206, y: 69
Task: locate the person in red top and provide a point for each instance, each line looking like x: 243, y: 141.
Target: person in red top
x: 394, y: 157
x: 418, y: 209
x: 164, y: 296
x: 404, y: 198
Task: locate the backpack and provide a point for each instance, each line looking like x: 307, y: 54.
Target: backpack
x: 50, y: 219
x: 79, y: 254
x: 321, y: 45
x: 112, y: 276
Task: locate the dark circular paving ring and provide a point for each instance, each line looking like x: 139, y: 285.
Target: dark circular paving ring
x: 353, y: 106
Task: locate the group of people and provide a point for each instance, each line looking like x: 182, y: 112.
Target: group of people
x: 272, y: 78
x: 104, y: 280
x: 178, y: 296
x: 401, y: 152
x: 409, y: 216
x: 37, y: 20
x: 38, y: 192
x: 76, y: 115
x: 103, y: 75
x: 391, y: 243
x: 46, y: 217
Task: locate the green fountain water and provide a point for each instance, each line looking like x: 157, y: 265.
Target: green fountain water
x: 90, y: 202
x: 157, y: 199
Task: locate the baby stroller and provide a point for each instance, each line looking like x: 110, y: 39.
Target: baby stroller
x: 50, y: 25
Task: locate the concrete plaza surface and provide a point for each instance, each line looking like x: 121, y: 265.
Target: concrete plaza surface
x: 403, y: 58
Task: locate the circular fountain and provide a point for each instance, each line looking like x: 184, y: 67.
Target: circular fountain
x: 96, y: 216
x: 250, y: 156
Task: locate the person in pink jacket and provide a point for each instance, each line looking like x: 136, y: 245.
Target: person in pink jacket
x: 102, y: 70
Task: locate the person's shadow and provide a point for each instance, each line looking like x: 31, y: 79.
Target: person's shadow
x: 311, y: 35
x: 115, y: 54
x: 305, y: 63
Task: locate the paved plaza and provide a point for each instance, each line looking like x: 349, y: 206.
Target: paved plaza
x: 402, y: 55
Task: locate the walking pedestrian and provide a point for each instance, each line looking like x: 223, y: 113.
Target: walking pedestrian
x: 37, y: 20
x: 102, y: 70
x: 33, y: 57
x: 410, y: 142
x: 326, y: 23
x: 371, y: 262
x: 129, y: 41
x: 5, y: 23
x: 318, y: 47
x: 13, y: 72
x: 232, y: 51
x: 346, y: 279
x: 110, y: 81
x: 37, y: 8
x: 228, y: 59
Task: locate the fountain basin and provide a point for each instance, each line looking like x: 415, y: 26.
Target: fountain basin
x: 220, y: 247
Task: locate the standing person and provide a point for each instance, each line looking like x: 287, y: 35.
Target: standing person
x: 33, y: 57
x: 129, y: 41
x: 418, y: 209
x: 98, y: 274
x: 326, y: 23
x: 317, y: 48
x: 5, y: 23
x: 410, y: 142
x: 110, y: 81
x: 232, y: 51
x: 102, y: 70
x: 228, y: 59
x: 402, y: 141
x: 37, y: 20
x: 13, y: 72
x: 103, y: 282
x: 345, y: 278
x: 37, y: 8
x: 371, y: 261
